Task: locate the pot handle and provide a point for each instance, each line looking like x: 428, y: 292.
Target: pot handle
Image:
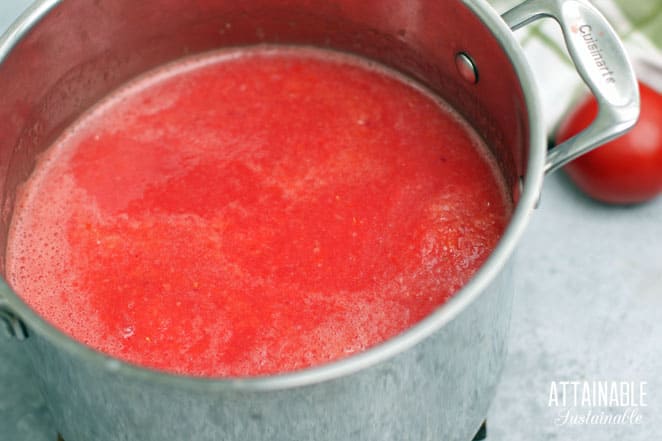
x: 602, y: 63
x: 12, y: 326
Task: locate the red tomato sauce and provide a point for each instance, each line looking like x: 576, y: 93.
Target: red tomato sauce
x: 254, y: 212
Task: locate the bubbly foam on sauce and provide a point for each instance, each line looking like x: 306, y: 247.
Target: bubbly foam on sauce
x: 254, y: 211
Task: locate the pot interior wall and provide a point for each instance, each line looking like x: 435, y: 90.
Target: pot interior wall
x: 84, y: 49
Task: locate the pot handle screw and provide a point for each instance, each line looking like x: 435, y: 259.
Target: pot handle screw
x: 602, y: 63
x: 466, y: 67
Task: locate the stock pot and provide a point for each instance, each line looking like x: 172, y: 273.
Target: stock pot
x: 432, y: 382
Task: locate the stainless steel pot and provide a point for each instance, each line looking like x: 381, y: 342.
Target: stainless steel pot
x: 434, y: 381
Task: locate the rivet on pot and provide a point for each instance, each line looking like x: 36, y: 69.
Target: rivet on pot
x: 466, y: 67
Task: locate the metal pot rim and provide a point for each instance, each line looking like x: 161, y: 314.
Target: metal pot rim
x: 532, y: 186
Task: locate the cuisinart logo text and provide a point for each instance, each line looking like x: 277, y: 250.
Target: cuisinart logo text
x: 593, y: 46
x: 598, y: 402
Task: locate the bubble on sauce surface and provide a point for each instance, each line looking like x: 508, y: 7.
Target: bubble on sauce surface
x: 38, y: 238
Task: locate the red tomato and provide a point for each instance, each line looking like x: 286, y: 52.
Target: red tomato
x: 628, y: 169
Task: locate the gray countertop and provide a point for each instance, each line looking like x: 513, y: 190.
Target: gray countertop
x: 588, y: 307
